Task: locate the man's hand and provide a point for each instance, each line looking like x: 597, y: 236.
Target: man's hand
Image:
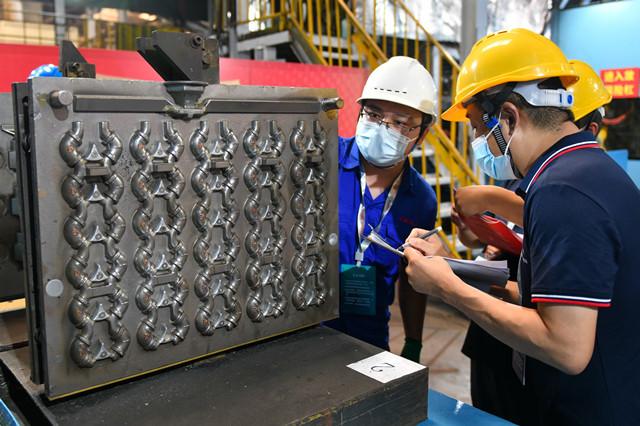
x: 427, y: 274
x: 432, y: 246
x: 477, y: 199
x: 466, y: 235
x: 492, y: 252
x: 471, y: 200
x: 455, y: 218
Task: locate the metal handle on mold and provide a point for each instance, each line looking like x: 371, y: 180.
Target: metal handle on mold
x: 330, y: 104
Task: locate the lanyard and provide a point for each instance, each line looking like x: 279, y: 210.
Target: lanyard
x: 560, y: 153
x: 393, y: 192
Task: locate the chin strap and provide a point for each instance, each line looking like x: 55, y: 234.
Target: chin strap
x: 491, y: 122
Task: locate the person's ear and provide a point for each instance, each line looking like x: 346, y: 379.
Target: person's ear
x: 511, y: 115
x: 593, y: 128
x: 423, y: 138
x: 417, y: 143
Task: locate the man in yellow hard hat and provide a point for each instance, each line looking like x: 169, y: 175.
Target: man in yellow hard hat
x: 573, y: 333
x: 494, y: 387
x: 590, y: 97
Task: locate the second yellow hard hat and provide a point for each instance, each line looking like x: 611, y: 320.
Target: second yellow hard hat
x: 589, y: 93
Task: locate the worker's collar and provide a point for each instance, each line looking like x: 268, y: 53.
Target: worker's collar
x: 575, y: 141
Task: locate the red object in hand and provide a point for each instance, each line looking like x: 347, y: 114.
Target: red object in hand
x: 492, y: 231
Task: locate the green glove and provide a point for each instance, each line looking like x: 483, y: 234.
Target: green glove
x: 411, y: 349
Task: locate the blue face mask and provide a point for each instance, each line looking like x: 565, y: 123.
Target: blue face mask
x: 496, y: 167
x: 380, y: 146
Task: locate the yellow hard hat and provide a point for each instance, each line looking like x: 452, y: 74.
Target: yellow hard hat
x: 508, y: 56
x: 589, y: 93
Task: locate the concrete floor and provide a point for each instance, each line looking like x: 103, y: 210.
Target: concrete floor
x: 442, y: 338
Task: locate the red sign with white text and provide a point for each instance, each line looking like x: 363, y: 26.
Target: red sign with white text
x: 621, y: 82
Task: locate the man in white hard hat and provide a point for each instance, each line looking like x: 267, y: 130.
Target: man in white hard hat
x: 380, y: 191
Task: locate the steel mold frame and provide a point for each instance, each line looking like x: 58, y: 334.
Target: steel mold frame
x: 156, y: 238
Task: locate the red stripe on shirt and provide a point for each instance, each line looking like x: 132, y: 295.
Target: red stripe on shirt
x: 560, y: 154
x: 570, y: 302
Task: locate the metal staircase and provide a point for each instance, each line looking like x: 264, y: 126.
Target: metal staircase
x: 365, y: 33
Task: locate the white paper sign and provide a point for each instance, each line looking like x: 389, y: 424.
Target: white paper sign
x: 385, y: 367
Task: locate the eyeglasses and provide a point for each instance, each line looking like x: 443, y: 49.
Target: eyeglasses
x: 378, y: 118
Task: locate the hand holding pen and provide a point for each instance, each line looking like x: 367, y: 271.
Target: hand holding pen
x: 422, y: 236
x: 421, y: 240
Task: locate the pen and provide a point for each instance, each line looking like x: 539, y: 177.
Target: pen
x: 377, y: 239
x: 422, y: 237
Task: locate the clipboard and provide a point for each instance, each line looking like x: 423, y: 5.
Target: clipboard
x: 479, y: 274
x: 492, y: 231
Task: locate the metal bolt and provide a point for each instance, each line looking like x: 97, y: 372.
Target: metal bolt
x: 333, y: 239
x: 207, y: 57
x: 60, y: 98
x: 196, y: 40
x: 54, y: 288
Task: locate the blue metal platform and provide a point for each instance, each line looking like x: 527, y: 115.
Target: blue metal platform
x: 446, y: 411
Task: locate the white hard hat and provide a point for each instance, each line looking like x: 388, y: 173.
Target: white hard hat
x: 402, y: 80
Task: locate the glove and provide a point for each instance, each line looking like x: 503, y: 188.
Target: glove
x: 411, y: 349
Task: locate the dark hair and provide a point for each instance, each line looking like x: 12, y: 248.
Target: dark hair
x: 541, y: 116
x: 593, y: 117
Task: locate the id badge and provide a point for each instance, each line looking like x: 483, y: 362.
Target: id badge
x: 358, y: 289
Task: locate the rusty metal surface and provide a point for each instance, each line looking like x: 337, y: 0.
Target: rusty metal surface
x: 160, y: 238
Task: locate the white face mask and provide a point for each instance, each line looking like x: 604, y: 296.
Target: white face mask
x: 379, y: 145
x: 496, y: 167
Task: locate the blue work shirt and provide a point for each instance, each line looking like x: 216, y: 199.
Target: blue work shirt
x: 414, y: 207
x: 581, y: 247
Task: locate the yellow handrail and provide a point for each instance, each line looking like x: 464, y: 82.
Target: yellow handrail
x: 333, y: 28
x: 361, y: 31
x: 432, y: 39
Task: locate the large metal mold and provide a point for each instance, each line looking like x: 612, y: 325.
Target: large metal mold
x: 156, y: 239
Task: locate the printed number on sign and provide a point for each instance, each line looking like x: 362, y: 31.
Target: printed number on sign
x: 381, y: 367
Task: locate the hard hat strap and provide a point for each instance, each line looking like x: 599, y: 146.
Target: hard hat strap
x: 490, y: 122
x: 427, y: 120
x: 491, y: 104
